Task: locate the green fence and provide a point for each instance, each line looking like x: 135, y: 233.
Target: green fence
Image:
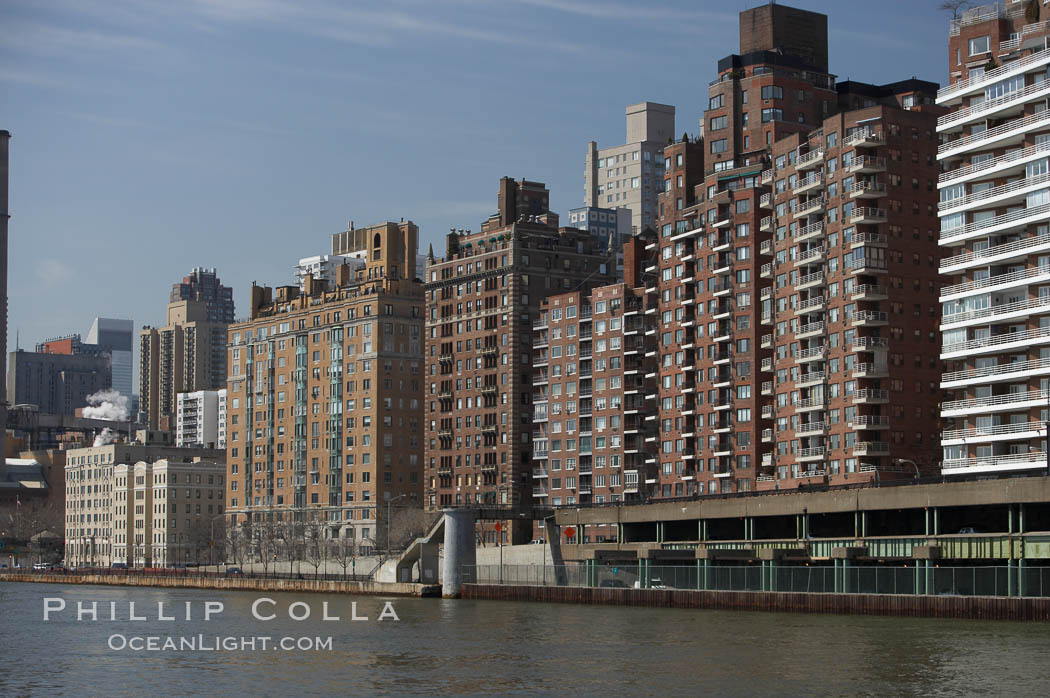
x: 883, y: 579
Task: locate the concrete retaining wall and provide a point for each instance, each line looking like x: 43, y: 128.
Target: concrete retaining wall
x: 234, y: 584
x: 970, y: 607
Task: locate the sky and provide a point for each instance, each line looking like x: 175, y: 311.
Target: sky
x: 150, y: 137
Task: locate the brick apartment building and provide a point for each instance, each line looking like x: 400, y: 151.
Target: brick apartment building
x: 482, y: 301
x: 324, y: 397
x: 756, y: 231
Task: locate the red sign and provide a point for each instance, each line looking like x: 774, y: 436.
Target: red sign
x: 570, y: 532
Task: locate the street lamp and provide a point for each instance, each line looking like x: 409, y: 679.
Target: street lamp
x: 902, y: 461
x: 389, y: 502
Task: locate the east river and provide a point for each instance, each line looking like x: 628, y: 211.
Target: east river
x: 472, y: 647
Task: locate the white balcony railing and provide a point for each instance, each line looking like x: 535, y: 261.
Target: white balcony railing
x: 996, y: 310
x: 992, y: 75
x: 1005, y: 399
x: 995, y: 192
x: 1000, y: 370
x: 997, y: 430
x: 1004, y: 338
x: 994, y: 163
x: 975, y: 111
x: 996, y: 133
x: 997, y: 280
x: 1017, y: 246
x: 1032, y: 458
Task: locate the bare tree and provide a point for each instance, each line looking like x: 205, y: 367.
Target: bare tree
x: 269, y: 543
x: 956, y: 7
x: 343, y: 551
x: 314, y: 548
x: 406, y: 524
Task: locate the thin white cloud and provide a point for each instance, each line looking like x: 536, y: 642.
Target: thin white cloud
x: 53, y: 273
x: 41, y: 38
x: 641, y: 11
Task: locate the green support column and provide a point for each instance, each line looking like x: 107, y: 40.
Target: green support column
x: 1010, y: 519
x: 705, y: 582
x: 703, y: 535
x: 1020, y: 577
x: 928, y: 584
x: 845, y: 577
x: 699, y: 529
x: 647, y: 573
x: 856, y: 524
x: 863, y: 524
x: 1009, y: 577
x: 659, y: 531
x: 588, y: 566
x: 700, y: 574
x: 926, y: 523
x: 1020, y: 518
x: 772, y: 586
x: 918, y: 576
x: 798, y: 526
x: 936, y: 522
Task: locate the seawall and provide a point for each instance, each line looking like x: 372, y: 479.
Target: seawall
x: 235, y: 584
x: 967, y: 607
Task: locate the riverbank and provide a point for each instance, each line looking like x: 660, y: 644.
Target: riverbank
x: 960, y: 607
x: 235, y: 583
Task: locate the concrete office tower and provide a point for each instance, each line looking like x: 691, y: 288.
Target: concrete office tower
x: 483, y: 298
x: 58, y: 377
x: 5, y: 136
x: 324, y: 397
x: 185, y: 355
x: 629, y: 176
x: 995, y: 235
x: 785, y: 382
x: 201, y: 419
x: 594, y: 391
x: 205, y: 286
x: 104, y: 500
x: 117, y: 338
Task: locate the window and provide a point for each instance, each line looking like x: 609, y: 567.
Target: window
x: 720, y: 146
x: 979, y: 45
x: 719, y: 100
x: 719, y: 122
x: 772, y: 115
x: 774, y: 92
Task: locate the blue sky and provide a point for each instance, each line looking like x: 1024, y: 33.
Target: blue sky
x: 152, y: 136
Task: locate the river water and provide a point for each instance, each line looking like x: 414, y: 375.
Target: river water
x: 457, y: 647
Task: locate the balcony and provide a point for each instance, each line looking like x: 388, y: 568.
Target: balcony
x: 868, y: 216
x: 869, y: 421
x: 811, y: 305
x: 767, y: 318
x: 953, y: 93
x: 868, y: 318
x: 993, y: 464
x: 766, y: 201
x: 871, y: 396
x: 813, y: 354
x: 871, y: 370
x: 867, y: 190
x: 809, y: 207
x: 863, y: 138
x: 1009, y: 104
x: 810, y: 160
x: 1007, y: 402
x: 1005, y: 341
x: 766, y: 272
x: 810, y: 454
x: 767, y: 364
x: 808, y: 380
x: 808, y: 232
x: 814, y: 280
x: 1001, y: 196
x: 866, y: 165
x: 766, y: 247
x: 767, y: 341
x: 1011, y: 133
x: 998, y: 225
x: 1018, y: 39
x: 999, y: 432
x: 768, y: 387
x: 866, y: 265
x: 869, y: 344
x: 812, y: 329
x: 767, y: 436
x: 858, y: 239
x: 811, y: 404
x: 768, y: 411
x: 811, y: 183
x: 539, y: 492
x: 767, y: 176
x: 997, y: 313
x: 766, y: 224
x: 538, y: 473
x: 814, y: 255
x: 1003, y: 373
x: 811, y: 428
x: 999, y: 282
x: 997, y: 254
x: 871, y: 448
x: 1010, y: 163
x: 869, y: 292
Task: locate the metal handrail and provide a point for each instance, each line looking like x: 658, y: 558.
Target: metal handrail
x: 1005, y: 248
x: 866, y: 161
x: 963, y: 114
x: 993, y: 163
x: 994, y: 192
x: 1004, y: 399
x: 1005, y: 338
x: 991, y: 75
x: 994, y: 310
x: 867, y: 211
x: 872, y: 393
x: 975, y: 432
x: 1001, y: 369
x: 999, y: 130
x: 1009, y: 459
x: 1020, y: 275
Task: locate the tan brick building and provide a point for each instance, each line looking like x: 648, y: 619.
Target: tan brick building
x: 324, y: 395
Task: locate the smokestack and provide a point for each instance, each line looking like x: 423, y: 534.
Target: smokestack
x: 5, y: 136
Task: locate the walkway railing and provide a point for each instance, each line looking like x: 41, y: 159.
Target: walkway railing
x: 912, y: 579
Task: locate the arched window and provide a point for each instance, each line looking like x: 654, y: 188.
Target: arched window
x: 377, y: 242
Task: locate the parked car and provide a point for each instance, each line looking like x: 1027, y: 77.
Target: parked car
x: 234, y: 571
x: 43, y: 566
x: 613, y: 584
x: 119, y: 566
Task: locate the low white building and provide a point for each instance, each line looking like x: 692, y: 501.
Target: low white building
x: 200, y: 419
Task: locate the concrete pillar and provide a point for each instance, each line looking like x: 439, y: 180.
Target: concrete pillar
x: 926, y: 524
x: 1010, y: 518
x: 1020, y: 518
x: 936, y: 522
x: 460, y: 551
x: 659, y: 531
x: 1009, y: 577
x: 863, y: 524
